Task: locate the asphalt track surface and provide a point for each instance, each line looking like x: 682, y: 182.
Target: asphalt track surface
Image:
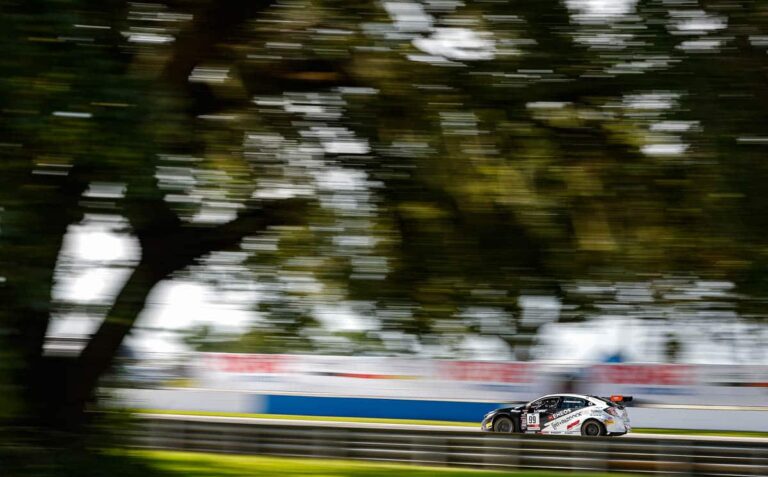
x: 422, y: 427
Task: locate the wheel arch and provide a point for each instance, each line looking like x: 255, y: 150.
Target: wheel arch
x: 603, y: 427
x: 512, y: 417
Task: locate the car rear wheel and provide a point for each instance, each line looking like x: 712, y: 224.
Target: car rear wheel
x: 592, y: 428
x: 503, y: 424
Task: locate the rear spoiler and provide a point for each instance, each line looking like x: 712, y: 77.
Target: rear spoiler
x: 618, y: 398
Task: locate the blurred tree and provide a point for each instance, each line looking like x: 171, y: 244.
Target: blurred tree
x: 413, y: 160
x: 82, y: 108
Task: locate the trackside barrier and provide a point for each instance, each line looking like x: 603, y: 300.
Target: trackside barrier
x: 436, y: 446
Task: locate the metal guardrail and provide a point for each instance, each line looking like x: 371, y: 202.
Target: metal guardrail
x: 682, y: 457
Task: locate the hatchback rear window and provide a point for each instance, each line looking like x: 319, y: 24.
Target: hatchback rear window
x: 608, y: 402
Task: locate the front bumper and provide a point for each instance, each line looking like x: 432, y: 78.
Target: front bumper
x: 487, y: 424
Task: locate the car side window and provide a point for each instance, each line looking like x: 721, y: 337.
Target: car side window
x: 536, y: 404
x: 573, y: 403
x: 546, y: 403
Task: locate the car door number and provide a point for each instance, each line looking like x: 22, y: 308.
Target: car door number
x: 532, y: 420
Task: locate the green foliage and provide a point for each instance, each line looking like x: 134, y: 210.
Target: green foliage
x: 441, y: 158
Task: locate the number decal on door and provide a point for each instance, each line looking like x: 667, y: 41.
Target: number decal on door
x: 532, y: 420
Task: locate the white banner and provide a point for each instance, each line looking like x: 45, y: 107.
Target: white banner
x: 415, y: 378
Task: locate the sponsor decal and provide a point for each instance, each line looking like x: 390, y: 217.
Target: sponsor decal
x: 561, y: 413
x: 569, y: 418
x: 532, y: 420
x: 573, y: 424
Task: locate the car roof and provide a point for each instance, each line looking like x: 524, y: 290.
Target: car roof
x: 580, y: 396
x: 593, y: 399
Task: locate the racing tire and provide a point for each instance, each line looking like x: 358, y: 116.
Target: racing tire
x: 593, y: 428
x: 503, y: 424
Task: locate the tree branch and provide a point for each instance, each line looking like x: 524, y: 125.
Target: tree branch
x: 168, y: 245
x: 214, y: 22
x: 162, y: 255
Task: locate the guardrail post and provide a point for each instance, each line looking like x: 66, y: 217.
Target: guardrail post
x: 760, y: 458
x: 254, y: 444
x: 689, y: 459
x: 502, y: 450
x: 145, y: 435
x: 328, y: 442
x: 428, y: 449
x: 602, y: 455
x: 340, y: 444
x: 589, y: 453
x: 516, y: 451
x: 488, y: 455
x: 183, y: 435
x: 316, y: 442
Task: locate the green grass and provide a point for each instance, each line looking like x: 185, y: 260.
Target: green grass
x: 187, y: 464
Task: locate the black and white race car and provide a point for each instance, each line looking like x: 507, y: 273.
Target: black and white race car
x: 571, y: 414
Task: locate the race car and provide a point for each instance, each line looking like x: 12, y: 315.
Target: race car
x: 571, y: 414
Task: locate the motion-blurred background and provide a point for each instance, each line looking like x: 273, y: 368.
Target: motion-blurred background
x: 246, y: 206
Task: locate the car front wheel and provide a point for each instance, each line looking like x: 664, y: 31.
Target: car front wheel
x: 503, y: 424
x: 592, y: 428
